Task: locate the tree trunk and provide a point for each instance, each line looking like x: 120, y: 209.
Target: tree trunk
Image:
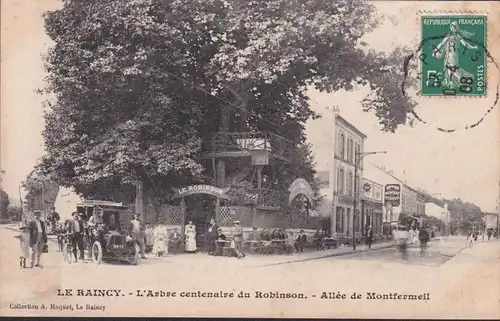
x: 139, y: 199
x: 224, y: 127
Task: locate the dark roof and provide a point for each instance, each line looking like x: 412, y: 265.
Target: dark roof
x: 350, y: 126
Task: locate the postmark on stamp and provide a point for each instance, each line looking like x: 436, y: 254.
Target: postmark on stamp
x: 453, y: 56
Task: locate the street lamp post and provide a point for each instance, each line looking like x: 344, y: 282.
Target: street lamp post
x: 357, y: 158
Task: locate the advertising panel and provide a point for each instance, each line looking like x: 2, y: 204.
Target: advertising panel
x: 392, y: 194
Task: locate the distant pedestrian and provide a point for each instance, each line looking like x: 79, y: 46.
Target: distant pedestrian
x: 489, y: 235
x: 300, y: 242
x: 160, y: 234
x: 212, y: 236
x: 471, y: 240
x: 149, y: 238
x: 369, y: 238
x: 319, y: 240
x: 423, y: 237
x: 190, y: 235
x: 237, y: 239
x: 174, y: 240
x: 402, y: 241
x: 38, y: 239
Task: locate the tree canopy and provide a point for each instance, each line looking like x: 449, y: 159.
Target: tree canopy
x: 463, y: 215
x: 137, y: 85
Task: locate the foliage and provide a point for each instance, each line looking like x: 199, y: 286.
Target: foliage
x: 463, y: 215
x: 138, y: 84
x: 433, y: 221
x: 14, y: 213
x: 4, y: 204
x: 41, y: 190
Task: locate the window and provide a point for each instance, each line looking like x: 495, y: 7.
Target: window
x: 350, y: 150
x: 349, y: 184
x: 348, y: 224
x: 339, y: 220
x: 356, y: 184
x: 342, y: 146
x: 356, y: 154
x: 340, y: 182
x: 356, y: 221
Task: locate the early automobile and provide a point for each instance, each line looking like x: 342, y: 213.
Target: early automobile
x: 106, y: 236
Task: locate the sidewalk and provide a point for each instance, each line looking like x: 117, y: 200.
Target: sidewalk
x: 277, y: 259
x: 314, y: 255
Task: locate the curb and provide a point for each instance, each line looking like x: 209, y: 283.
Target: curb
x: 388, y: 246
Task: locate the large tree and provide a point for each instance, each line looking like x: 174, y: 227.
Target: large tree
x: 138, y: 84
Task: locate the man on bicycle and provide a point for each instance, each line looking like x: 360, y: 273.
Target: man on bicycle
x: 53, y: 216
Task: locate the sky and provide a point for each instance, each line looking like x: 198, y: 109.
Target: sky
x: 463, y: 164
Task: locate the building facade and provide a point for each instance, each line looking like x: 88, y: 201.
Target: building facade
x: 420, y: 205
x: 335, y: 154
x: 398, y: 197
x: 349, y: 142
x: 372, y: 205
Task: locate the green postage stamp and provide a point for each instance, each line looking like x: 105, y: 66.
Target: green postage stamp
x: 453, y: 55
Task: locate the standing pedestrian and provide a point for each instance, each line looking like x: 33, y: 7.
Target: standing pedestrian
x: 174, y: 241
x: 237, y: 239
x: 190, y: 232
x: 24, y: 240
x: 138, y: 234
x: 300, y: 242
x: 423, y: 237
x: 471, y: 240
x: 212, y: 236
x: 149, y: 238
x: 76, y: 230
x: 160, y: 234
x: 38, y: 239
x: 369, y: 238
x: 403, y: 241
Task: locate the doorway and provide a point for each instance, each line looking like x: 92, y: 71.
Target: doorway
x: 199, y: 209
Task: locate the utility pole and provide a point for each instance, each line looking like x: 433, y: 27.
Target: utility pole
x: 357, y: 159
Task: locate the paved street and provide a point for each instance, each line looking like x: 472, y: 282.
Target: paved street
x: 436, y: 254
x: 466, y: 279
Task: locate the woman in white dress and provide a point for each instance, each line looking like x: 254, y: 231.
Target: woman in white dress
x: 24, y: 238
x: 190, y: 232
x: 160, y: 235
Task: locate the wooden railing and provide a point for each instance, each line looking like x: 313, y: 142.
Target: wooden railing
x: 276, y: 145
x: 262, y: 197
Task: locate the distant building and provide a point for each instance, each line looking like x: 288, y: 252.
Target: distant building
x: 441, y: 213
x: 372, y: 205
x: 398, y: 197
x: 491, y: 221
x: 420, y: 205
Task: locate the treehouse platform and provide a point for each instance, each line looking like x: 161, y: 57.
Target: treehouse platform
x: 262, y: 147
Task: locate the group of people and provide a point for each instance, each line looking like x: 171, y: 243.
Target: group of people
x: 472, y: 236
x: 404, y: 235
x: 215, y: 238
x: 33, y: 240
x: 153, y: 238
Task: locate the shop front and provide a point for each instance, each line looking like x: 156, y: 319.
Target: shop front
x: 196, y: 203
